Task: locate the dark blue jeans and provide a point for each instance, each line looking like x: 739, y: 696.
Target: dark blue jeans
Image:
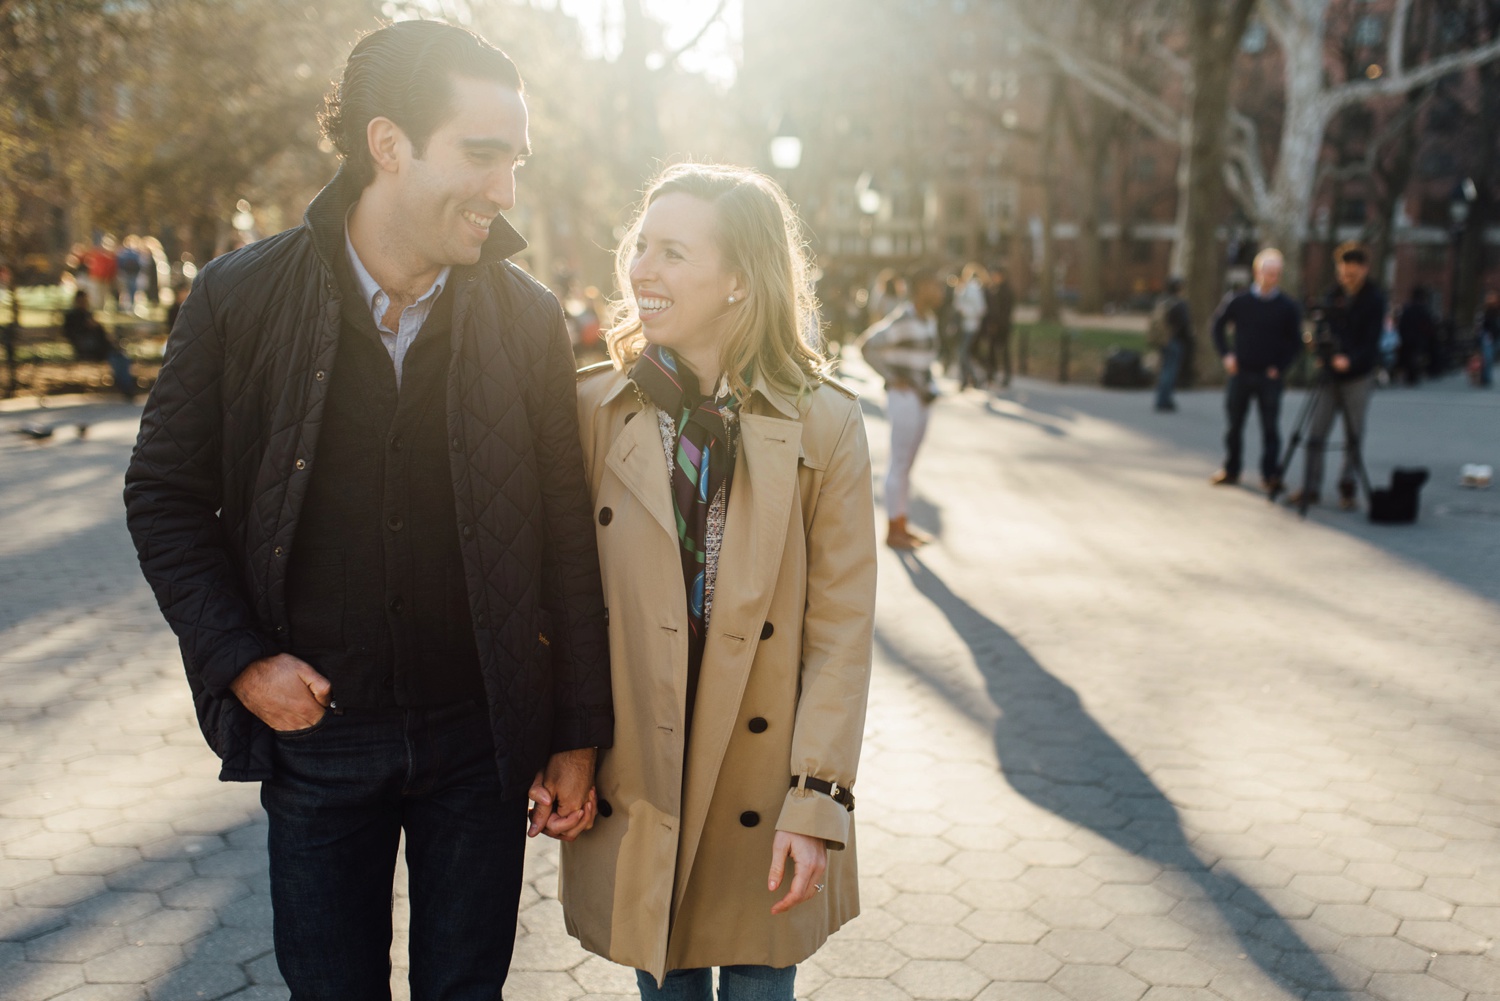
x: 343, y: 792
x: 1266, y: 392
x: 736, y: 983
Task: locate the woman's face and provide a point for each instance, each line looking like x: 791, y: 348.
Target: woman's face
x: 679, y: 280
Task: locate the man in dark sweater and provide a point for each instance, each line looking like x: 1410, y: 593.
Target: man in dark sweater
x: 1267, y: 338
x: 358, y: 494
x: 1348, y: 353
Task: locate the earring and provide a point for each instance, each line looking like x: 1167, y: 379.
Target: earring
x: 731, y: 298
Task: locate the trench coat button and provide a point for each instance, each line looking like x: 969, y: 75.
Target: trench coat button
x: 604, y: 808
x: 278, y: 550
x: 320, y: 375
x: 300, y: 464
x: 766, y: 631
x: 396, y: 605
x: 394, y: 523
x: 749, y: 818
x: 606, y: 516
x: 758, y: 725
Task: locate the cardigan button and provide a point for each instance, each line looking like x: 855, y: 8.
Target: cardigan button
x: 394, y: 523
x: 766, y: 631
x: 606, y: 516
x: 320, y: 375
x: 758, y: 725
x: 749, y: 818
x: 604, y: 808
x: 278, y: 550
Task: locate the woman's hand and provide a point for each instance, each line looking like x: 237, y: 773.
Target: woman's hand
x: 811, y: 858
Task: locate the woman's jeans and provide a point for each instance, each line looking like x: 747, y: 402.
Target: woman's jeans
x: 736, y: 983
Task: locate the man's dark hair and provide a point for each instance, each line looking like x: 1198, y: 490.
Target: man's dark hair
x: 405, y: 72
x: 1351, y: 252
x: 1174, y: 286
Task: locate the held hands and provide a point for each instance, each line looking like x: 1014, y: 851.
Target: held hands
x: 1341, y: 363
x: 1231, y: 364
x: 1273, y: 372
x: 286, y: 693
x: 564, y: 803
x: 811, y: 858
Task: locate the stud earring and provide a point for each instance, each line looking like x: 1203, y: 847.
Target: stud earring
x: 731, y: 298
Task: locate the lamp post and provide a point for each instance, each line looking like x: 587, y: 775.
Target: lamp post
x: 1460, y: 202
x: 786, y: 145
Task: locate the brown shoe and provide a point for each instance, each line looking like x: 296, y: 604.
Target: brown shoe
x: 1348, y: 497
x: 1271, y: 484
x: 1223, y: 479
x: 1301, y: 498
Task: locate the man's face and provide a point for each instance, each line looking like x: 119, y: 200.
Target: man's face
x: 467, y: 175
x: 1268, y: 274
x: 1352, y: 275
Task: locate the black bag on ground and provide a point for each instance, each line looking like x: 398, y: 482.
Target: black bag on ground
x: 1398, y: 504
x: 1123, y: 370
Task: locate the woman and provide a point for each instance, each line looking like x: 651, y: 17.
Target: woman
x: 731, y: 481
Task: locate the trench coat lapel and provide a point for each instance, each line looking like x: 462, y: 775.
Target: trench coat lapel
x: 760, y: 502
x: 638, y: 460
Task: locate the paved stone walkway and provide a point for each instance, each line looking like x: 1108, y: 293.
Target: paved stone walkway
x: 1129, y: 737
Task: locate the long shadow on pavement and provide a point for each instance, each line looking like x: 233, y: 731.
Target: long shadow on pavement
x: 1056, y: 755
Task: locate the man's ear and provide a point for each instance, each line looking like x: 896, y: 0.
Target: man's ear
x: 385, y: 140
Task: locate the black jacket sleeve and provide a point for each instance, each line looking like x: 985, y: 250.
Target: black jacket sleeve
x: 1291, y: 337
x: 1364, y: 323
x: 1221, y: 320
x: 1179, y: 321
x: 172, y: 499
x: 572, y: 593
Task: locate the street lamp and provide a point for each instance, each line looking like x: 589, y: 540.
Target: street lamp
x: 1460, y: 203
x: 866, y: 195
x: 786, y: 146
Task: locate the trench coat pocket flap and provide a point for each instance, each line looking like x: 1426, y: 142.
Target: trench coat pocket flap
x: 816, y: 816
x: 817, y: 459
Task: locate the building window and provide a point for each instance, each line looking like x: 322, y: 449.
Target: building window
x: 1369, y: 30
x: 1253, y: 42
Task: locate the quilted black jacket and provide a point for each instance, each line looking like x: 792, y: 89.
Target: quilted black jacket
x: 229, y: 440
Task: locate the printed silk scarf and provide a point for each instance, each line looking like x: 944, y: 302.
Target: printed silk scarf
x: 703, y: 463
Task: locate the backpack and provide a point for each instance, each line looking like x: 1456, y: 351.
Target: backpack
x: 1158, y: 332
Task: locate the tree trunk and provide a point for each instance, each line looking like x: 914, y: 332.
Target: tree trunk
x: 1090, y: 244
x: 1285, y: 219
x: 1215, y: 37
x: 1047, y: 290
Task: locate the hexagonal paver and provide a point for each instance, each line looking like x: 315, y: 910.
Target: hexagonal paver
x: 1084, y: 946
x: 28, y: 981
x: 1355, y: 919
x: 1004, y: 926
x: 1097, y: 983
x: 928, y: 909
x: 536, y: 986
x: 196, y: 981
x: 75, y: 944
x: 1411, y: 987
x: 940, y: 980
x: 1443, y: 937
x: 934, y: 942
x: 1169, y: 967
x: 1014, y: 962
x: 850, y: 990
x: 133, y: 964
x: 1411, y: 904
x: 1474, y: 974
x: 1381, y: 954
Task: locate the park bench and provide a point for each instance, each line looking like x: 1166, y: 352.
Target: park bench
x: 40, y: 362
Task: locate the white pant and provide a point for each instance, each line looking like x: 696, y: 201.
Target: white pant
x: 908, y: 416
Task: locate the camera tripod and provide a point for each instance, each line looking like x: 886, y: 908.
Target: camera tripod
x: 1323, y: 384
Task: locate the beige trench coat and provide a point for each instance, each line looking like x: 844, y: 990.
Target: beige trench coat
x: 673, y: 873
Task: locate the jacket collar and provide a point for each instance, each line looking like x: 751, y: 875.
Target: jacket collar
x: 325, y: 216
x: 759, y: 386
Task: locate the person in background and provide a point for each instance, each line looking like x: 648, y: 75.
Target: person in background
x: 1171, y: 330
x: 1417, y: 327
x: 1489, y: 337
x: 1267, y: 327
x: 1348, y: 352
x: 969, y: 304
x: 902, y: 348
x: 994, y: 337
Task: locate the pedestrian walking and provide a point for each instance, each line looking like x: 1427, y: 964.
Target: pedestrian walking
x: 1417, y: 328
x: 128, y: 272
x: 902, y: 349
x: 358, y: 494
x: 1488, y: 336
x: 99, y: 259
x: 1170, y: 331
x: 731, y: 481
x: 1267, y: 328
x: 1347, y: 347
x: 994, y: 335
x: 969, y: 303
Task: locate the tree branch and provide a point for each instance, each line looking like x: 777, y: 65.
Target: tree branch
x: 1365, y: 165
x: 1242, y: 153
x: 1343, y: 95
x: 713, y: 19
x: 1395, y: 53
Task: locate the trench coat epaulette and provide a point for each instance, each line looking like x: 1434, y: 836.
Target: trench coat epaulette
x: 841, y: 387
x: 594, y: 369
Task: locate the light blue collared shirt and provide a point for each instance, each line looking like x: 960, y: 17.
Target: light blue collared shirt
x: 397, y: 341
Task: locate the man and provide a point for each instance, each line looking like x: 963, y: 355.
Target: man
x: 1171, y: 330
x: 1488, y: 335
x: 359, y: 496
x: 1267, y: 338
x: 902, y: 349
x: 1348, y: 350
x: 999, y: 308
x: 1418, y: 329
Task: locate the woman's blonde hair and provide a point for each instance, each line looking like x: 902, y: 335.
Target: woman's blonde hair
x: 772, y: 332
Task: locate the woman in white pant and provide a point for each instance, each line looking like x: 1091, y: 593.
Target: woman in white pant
x: 902, y: 349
